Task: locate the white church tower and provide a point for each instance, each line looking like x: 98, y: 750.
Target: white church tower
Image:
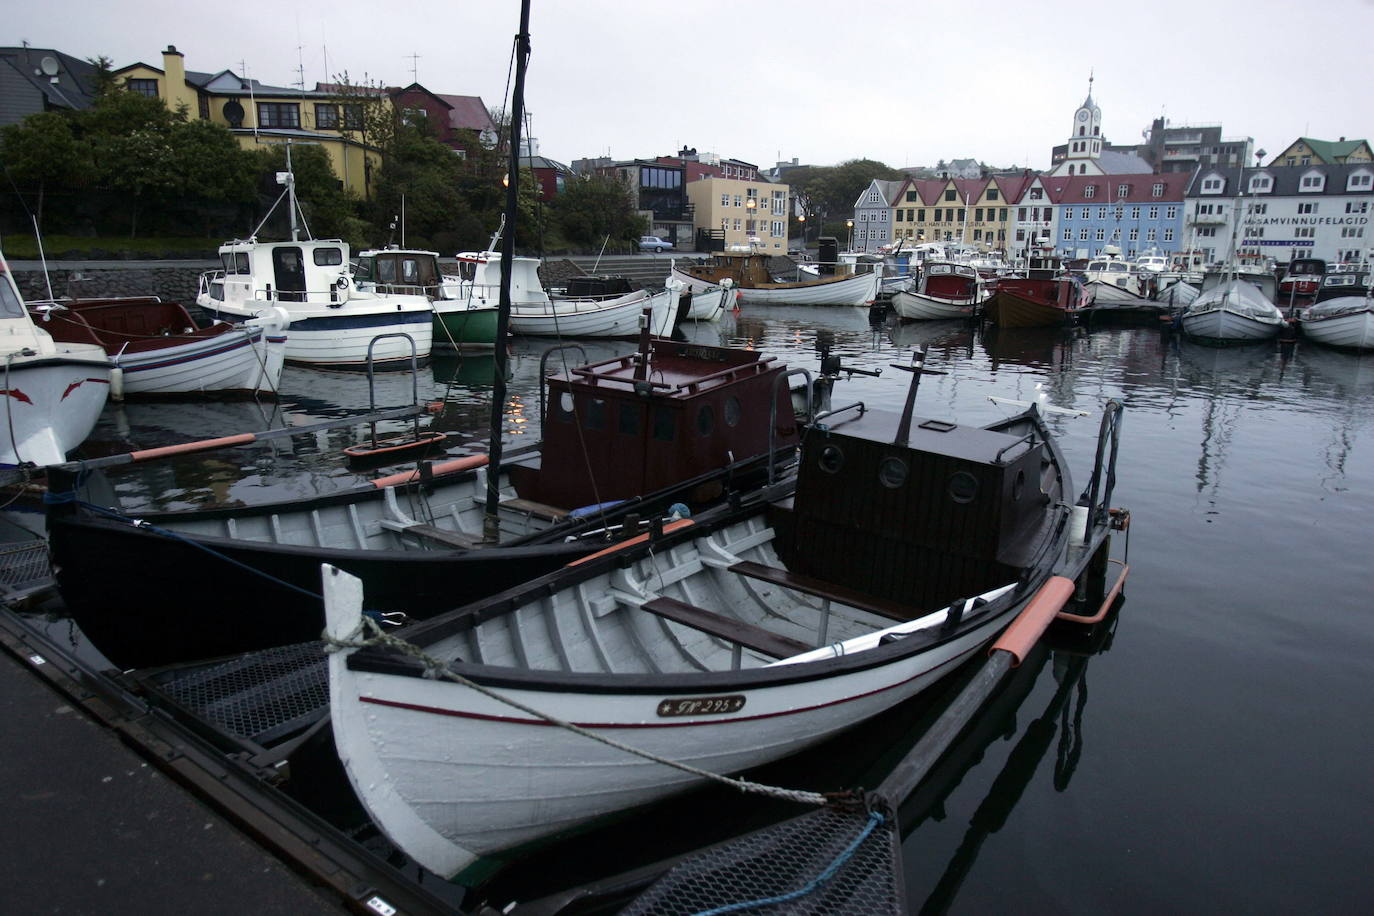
x: 1085, y: 140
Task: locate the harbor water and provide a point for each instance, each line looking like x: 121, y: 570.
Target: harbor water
x: 1211, y: 752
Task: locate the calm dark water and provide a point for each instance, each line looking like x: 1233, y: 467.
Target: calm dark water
x: 1216, y: 756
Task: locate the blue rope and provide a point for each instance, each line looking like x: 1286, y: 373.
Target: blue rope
x: 874, y: 819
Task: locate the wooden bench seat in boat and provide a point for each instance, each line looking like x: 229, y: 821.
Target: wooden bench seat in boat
x: 441, y: 536
x: 726, y: 628
x: 538, y: 510
x: 826, y: 590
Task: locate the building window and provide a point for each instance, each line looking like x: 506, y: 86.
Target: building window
x: 1083, y: 234
x: 1135, y: 234
x: 1259, y: 209
x: 778, y: 229
x: 1211, y: 185
x: 978, y: 215
x: 1259, y: 184
x: 1150, y: 234
x: 1357, y: 206
x: 1101, y: 212
x: 326, y: 116
x: 1307, y: 208
x: 738, y: 201
x: 1207, y: 231
x: 951, y: 194
x: 1085, y: 213
x: 901, y: 216
x: 1352, y: 232
x: 1101, y: 235
x: 141, y: 87
x: 1036, y: 193
x: 911, y: 197
x: 1171, y: 213
x: 1119, y: 212
x: 1135, y: 213
x: 1157, y: 189
x: 1154, y: 213
x: 1123, y: 190
x: 921, y: 215
x: 978, y: 235
x: 1359, y: 180
x: 725, y: 200
x: 279, y: 114
x: 1020, y: 214
x: 1168, y: 235
x: 1311, y: 183
x: 873, y: 197
x: 725, y: 222
x: 1090, y: 191
x: 1001, y: 214
x: 738, y: 224
x: 1068, y: 235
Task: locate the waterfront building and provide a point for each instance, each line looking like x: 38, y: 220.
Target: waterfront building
x: 1172, y: 147
x: 741, y: 212
x: 258, y: 114
x: 1033, y: 222
x: 874, y: 214
x: 1134, y: 212
x: 977, y: 212
x: 658, y: 191
x: 1087, y: 151
x: 1310, y: 151
x: 1319, y: 211
x: 456, y: 121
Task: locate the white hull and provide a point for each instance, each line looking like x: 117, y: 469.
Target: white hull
x: 617, y: 317
x: 1224, y: 324
x: 451, y: 775
x: 1352, y: 329
x: 916, y: 307
x: 51, y: 402
x: 710, y: 304
x: 858, y: 290
x: 1109, y: 295
x: 247, y: 360
x: 891, y: 286
x: 338, y: 338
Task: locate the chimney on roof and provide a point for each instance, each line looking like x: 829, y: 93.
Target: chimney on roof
x: 172, y: 49
x: 1341, y: 140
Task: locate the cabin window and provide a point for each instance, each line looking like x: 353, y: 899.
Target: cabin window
x: 892, y: 472
x: 10, y: 306
x: 241, y: 262
x: 831, y: 459
x: 706, y: 420
x: 362, y: 270
x: 962, y: 487
x: 596, y: 414
x: 328, y: 257
x: 228, y: 259
x: 410, y: 271
x: 386, y: 273
x: 732, y: 411
x: 665, y: 424
x: 467, y: 270
x: 629, y: 419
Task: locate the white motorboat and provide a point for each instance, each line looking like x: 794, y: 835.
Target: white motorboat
x: 1343, y: 321
x: 464, y: 307
x: 334, y: 323
x: 946, y: 290
x: 53, y: 392
x: 757, y: 286
x: 580, y: 312
x: 159, y: 352
x: 1232, y: 311
x: 710, y: 303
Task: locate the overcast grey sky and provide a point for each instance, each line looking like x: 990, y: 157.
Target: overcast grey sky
x: 819, y: 80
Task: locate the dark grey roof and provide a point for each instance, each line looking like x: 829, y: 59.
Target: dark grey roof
x: 1116, y: 163
x: 75, y: 86
x: 1286, y: 179
x: 544, y: 162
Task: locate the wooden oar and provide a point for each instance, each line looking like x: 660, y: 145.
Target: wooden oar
x: 207, y: 445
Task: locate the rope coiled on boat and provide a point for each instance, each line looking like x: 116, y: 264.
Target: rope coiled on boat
x: 437, y: 668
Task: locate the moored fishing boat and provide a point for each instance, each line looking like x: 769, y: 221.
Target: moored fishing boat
x: 1232, y: 311
x: 462, y: 316
x: 945, y: 290
x: 727, y: 643
x: 1344, y: 321
x: 53, y: 392
x: 757, y: 286
x: 598, y: 307
x: 1043, y: 298
x: 419, y: 542
x: 333, y: 323
x: 710, y: 303
x: 159, y: 352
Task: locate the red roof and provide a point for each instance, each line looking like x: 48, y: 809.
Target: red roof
x: 467, y: 112
x: 1106, y: 187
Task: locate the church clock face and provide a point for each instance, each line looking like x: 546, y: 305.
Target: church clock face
x: 1082, y: 115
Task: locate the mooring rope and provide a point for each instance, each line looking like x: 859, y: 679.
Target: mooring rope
x: 437, y: 668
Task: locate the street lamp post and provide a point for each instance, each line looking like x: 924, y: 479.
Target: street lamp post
x: 849, y: 224
x: 750, y: 227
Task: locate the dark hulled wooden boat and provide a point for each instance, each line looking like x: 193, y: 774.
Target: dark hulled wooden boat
x: 1043, y: 298
x: 671, y: 423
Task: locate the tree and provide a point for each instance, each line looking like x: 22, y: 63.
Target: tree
x: 365, y: 115
x: 591, y: 209
x: 330, y: 211
x: 428, y: 176
x: 43, y: 150
x: 210, y: 166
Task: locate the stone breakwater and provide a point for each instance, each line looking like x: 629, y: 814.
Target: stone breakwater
x: 172, y: 282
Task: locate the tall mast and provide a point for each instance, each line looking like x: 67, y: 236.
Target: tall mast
x: 491, y: 526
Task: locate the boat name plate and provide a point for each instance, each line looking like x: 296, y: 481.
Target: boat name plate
x: 700, y: 706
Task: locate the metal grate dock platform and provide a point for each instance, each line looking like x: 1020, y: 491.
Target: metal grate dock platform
x: 24, y: 566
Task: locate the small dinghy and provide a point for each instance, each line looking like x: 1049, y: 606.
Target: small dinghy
x: 723, y: 642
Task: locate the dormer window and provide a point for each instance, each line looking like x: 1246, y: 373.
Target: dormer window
x: 1312, y: 182
x: 1212, y: 185
x: 1090, y: 191
x: 1261, y: 184
x: 1157, y: 190
x: 1360, y: 180
x: 1123, y: 190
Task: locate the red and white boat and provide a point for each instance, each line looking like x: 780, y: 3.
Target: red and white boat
x: 1044, y: 298
x: 946, y: 290
x: 158, y: 350
x: 53, y: 392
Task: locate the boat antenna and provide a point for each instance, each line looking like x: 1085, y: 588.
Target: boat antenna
x: 42, y: 257
x: 491, y: 526
x: 917, y: 369
x: 604, y: 242
x: 496, y: 236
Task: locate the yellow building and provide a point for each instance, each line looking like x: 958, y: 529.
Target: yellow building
x: 261, y: 115
x: 1307, y: 151
x: 748, y: 212
x: 977, y: 212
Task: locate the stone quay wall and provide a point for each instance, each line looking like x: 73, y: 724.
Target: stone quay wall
x: 171, y: 281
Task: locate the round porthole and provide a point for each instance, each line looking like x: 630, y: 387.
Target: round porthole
x: 963, y: 487
x: 564, y: 408
x: 831, y: 459
x: 732, y: 411
x: 706, y: 420
x: 1018, y: 485
x: 892, y: 473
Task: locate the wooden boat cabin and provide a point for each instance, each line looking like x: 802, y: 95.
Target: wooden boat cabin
x: 947, y: 280
x: 929, y: 510
x: 401, y: 272
x: 635, y: 424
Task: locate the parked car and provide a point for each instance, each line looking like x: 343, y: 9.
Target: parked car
x: 654, y: 243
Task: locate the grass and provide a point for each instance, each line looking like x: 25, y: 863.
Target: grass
x: 71, y: 247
